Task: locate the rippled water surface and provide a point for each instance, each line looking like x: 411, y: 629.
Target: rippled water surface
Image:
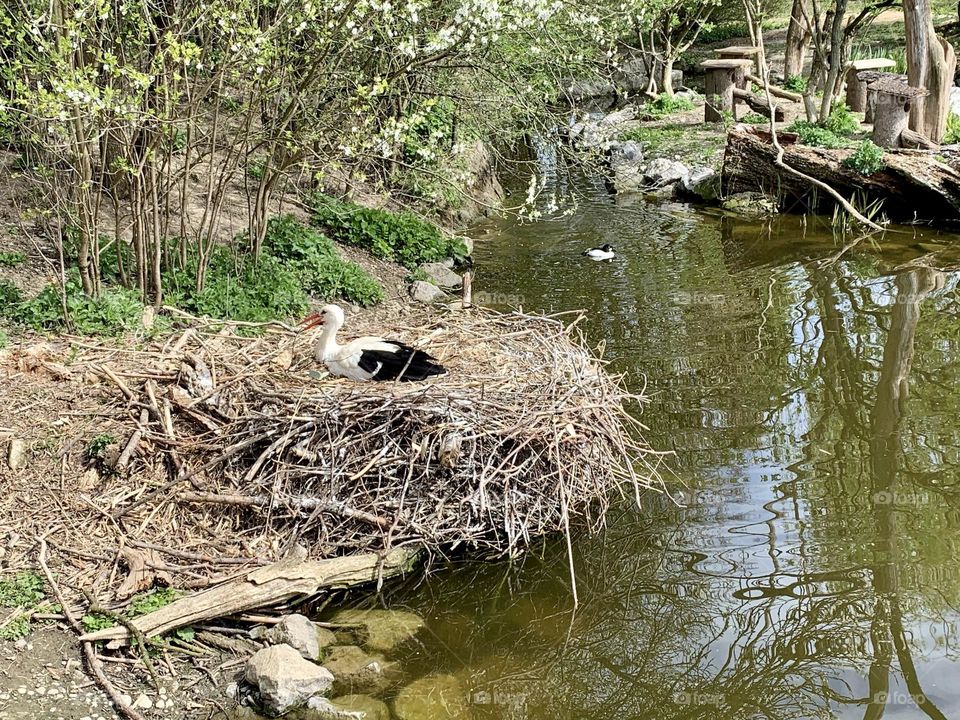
x: 813, y: 410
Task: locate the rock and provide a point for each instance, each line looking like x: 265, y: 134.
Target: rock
x: 955, y: 100
x: 372, y: 708
x: 576, y: 90
x: 143, y: 702
x: 750, y: 204
x: 298, y: 632
x: 703, y: 183
x: 618, y: 117
x: 356, y: 671
x: 434, y: 697
x: 284, y: 679
x: 632, y: 77
x: 482, y: 188
x: 663, y: 171
x: 16, y: 453
x: 381, y: 630
x: 426, y: 293
x: 441, y: 275
x: 626, y: 165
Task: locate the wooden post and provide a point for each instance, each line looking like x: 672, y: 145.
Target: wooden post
x: 467, y: 290
x: 720, y: 82
x: 740, y: 52
x: 856, y: 86
x: 892, y: 114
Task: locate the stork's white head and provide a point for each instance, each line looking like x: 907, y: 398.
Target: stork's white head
x: 329, y: 316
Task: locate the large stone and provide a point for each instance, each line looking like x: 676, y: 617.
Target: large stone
x: 577, y: 90
x: 750, y: 204
x: 356, y: 671
x: 380, y: 630
x: 663, y: 171
x: 434, y: 697
x: 298, y: 632
x: 284, y: 679
x: 426, y: 293
x: 703, y: 183
x: 441, y: 275
x: 627, y: 167
x: 372, y: 708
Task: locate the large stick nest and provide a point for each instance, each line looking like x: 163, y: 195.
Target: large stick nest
x: 524, y: 436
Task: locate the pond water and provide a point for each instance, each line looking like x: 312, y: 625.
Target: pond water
x: 813, y: 570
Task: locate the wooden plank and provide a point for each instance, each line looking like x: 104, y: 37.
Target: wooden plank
x: 871, y: 64
x: 725, y: 64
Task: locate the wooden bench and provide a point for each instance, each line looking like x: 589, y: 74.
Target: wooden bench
x: 739, y: 52
x: 723, y: 75
x: 857, y: 86
x: 892, y: 112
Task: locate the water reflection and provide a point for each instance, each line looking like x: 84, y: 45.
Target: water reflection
x: 812, y: 570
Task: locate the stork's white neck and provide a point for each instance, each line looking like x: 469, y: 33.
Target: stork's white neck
x: 327, y: 345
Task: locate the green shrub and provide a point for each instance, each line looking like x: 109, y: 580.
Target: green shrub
x: 11, y: 258
x: 667, y: 105
x: 321, y: 269
x: 239, y: 288
x: 841, y: 121
x: 867, y: 159
x: 813, y: 134
x: 952, y: 136
x: 117, y: 310
x: 795, y: 83
x: 148, y: 602
x: 399, y: 237
x: 10, y: 295
x: 25, y: 589
x: 755, y: 119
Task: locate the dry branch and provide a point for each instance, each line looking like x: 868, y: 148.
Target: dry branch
x: 263, y: 587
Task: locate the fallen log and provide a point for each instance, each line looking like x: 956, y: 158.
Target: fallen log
x: 775, y: 91
x: 911, y: 139
x: 263, y: 587
x: 757, y: 104
x: 913, y: 185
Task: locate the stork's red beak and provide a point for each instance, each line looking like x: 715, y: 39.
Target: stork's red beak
x: 311, y: 321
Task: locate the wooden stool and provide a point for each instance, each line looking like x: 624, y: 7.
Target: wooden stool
x: 856, y: 87
x: 739, y: 52
x: 892, y: 113
x: 722, y: 77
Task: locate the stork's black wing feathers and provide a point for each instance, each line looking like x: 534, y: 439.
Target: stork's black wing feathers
x: 406, y: 364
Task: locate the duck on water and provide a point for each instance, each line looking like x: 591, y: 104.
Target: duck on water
x: 604, y: 252
x: 367, y: 358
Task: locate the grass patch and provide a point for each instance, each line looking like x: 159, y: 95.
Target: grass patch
x: 679, y: 140
x: 23, y: 590
x: 12, y: 258
x: 664, y: 105
x: 399, y: 237
x: 867, y: 160
x: 842, y: 121
x: 147, y: 602
x: 812, y: 134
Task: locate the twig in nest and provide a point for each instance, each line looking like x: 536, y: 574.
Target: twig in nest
x: 95, y: 665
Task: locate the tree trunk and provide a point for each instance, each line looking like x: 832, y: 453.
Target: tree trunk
x: 797, y: 40
x: 909, y: 183
x: 890, y: 119
x: 835, y: 61
x: 931, y: 63
x: 666, y: 76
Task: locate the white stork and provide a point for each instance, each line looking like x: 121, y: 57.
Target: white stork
x: 367, y: 358
x: 604, y: 252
